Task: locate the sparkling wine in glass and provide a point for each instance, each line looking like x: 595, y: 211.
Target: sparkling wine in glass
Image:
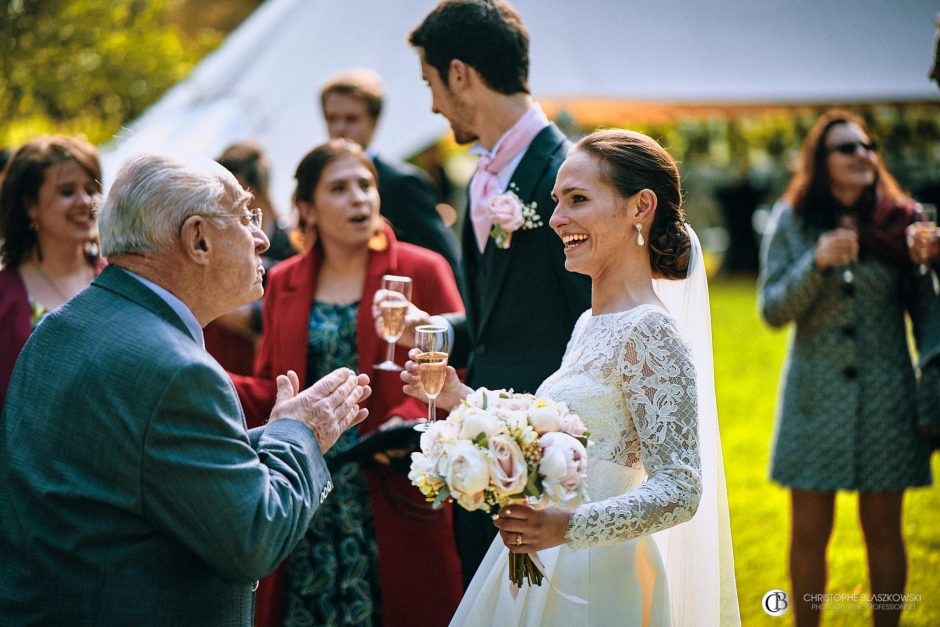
x: 393, y: 309
x: 926, y: 227
x: 432, y: 341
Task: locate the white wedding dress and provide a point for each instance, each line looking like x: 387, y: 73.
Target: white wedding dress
x: 630, y: 378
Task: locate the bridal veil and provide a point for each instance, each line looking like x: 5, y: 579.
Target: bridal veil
x: 697, y: 554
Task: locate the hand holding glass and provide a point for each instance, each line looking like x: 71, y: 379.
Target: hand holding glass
x: 925, y: 228
x: 432, y: 341
x: 393, y: 309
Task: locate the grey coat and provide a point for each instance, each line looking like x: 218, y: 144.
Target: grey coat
x: 132, y: 493
x: 846, y: 416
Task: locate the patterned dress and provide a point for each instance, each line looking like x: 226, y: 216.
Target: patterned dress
x: 333, y: 571
x: 846, y: 418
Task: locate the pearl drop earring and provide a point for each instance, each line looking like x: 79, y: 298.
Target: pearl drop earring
x: 639, y: 234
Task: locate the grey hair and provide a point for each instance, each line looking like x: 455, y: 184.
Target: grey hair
x: 153, y: 195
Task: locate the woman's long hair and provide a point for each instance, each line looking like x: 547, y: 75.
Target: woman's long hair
x: 882, y: 211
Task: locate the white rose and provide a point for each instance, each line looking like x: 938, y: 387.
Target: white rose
x: 563, y: 465
x: 468, y: 474
x: 483, y: 397
x: 477, y: 421
x: 545, y: 419
x: 507, y: 466
x: 515, y: 419
x: 424, y: 475
x: 432, y: 441
x: 506, y: 211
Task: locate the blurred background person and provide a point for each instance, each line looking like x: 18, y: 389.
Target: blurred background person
x: 49, y: 236
x: 376, y: 553
x: 231, y: 339
x: 834, y: 263
x: 352, y: 103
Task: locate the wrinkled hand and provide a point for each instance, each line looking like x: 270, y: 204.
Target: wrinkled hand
x: 451, y: 394
x: 538, y: 529
x: 413, y: 318
x: 923, y: 244
x: 328, y: 407
x: 837, y: 247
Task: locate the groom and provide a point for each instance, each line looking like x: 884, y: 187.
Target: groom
x: 521, y: 302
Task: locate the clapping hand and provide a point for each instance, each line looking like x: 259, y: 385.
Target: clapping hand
x: 328, y: 407
x: 413, y: 318
x: 451, y: 394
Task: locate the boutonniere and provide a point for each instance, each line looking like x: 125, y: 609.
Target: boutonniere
x: 509, y: 214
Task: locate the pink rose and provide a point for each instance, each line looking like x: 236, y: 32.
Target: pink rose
x: 506, y: 211
x: 507, y: 466
x: 467, y: 474
x: 563, y: 465
x: 572, y: 425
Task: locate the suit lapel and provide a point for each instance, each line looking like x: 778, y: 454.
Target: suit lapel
x: 295, y: 303
x: 524, y: 179
x: 367, y: 340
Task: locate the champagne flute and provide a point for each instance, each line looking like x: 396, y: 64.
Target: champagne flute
x: 926, y: 226
x: 432, y: 341
x: 393, y: 309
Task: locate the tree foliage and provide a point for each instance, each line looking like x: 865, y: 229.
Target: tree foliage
x: 90, y: 66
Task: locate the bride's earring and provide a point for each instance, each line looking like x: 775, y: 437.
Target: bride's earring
x: 639, y: 234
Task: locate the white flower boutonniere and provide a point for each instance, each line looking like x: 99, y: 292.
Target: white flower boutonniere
x: 509, y: 214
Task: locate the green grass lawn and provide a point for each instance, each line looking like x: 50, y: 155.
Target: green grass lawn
x: 748, y: 358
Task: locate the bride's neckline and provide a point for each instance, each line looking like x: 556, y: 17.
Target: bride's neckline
x: 627, y: 311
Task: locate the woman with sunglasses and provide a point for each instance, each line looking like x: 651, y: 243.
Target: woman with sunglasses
x: 835, y: 264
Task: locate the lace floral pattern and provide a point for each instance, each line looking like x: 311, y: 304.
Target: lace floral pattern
x: 630, y: 377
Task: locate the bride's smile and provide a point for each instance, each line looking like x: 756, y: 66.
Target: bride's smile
x: 591, y: 219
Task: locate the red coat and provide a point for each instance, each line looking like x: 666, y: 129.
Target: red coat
x: 15, y: 324
x: 418, y: 564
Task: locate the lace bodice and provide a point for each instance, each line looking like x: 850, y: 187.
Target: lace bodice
x: 630, y: 377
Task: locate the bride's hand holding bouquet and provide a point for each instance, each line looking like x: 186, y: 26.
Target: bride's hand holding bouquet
x: 517, y: 453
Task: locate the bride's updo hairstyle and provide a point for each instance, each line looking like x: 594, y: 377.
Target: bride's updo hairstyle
x: 631, y: 162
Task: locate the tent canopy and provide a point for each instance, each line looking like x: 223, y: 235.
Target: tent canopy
x: 263, y: 82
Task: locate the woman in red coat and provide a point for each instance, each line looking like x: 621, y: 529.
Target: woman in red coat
x: 376, y: 553
x: 49, y: 236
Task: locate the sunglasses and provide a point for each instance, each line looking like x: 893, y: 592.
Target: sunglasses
x: 850, y: 148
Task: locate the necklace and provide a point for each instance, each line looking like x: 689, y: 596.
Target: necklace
x: 51, y: 283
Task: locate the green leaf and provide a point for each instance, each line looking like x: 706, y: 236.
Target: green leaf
x: 442, y: 496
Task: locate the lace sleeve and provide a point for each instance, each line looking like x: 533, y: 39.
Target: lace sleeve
x: 658, y: 381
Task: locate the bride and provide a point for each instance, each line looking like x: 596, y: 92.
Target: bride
x: 650, y: 544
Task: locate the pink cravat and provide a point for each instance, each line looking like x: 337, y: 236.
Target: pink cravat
x: 485, y: 182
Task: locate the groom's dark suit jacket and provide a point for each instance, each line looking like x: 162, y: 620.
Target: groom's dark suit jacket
x: 521, y: 308
x: 409, y: 204
x: 131, y: 492
x: 521, y: 302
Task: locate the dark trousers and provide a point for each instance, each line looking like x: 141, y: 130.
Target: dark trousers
x: 474, y: 532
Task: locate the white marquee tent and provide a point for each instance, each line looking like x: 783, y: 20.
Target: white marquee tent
x: 262, y: 83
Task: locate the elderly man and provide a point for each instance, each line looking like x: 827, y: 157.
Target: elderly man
x: 132, y: 491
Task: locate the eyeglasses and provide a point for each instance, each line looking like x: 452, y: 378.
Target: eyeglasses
x: 252, y: 218
x: 850, y: 148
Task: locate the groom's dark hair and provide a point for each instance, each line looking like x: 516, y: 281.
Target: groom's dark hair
x: 487, y: 35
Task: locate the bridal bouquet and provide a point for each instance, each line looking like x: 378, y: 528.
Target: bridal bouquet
x: 497, y: 448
